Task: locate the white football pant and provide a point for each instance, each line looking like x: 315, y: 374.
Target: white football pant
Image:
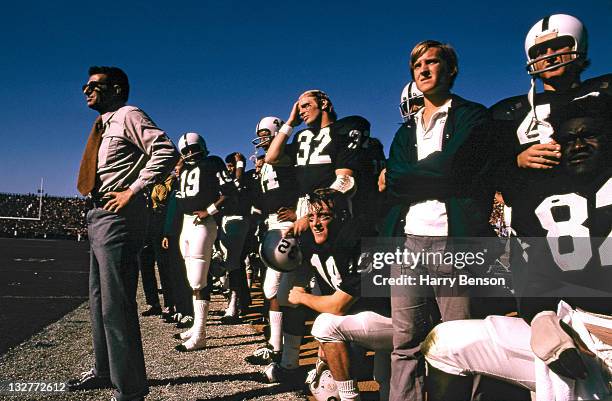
x: 499, y: 346
x: 196, y: 243
x: 367, y: 329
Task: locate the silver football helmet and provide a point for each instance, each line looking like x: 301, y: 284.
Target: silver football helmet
x: 558, y: 30
x: 278, y: 253
x: 192, y: 147
x: 270, y: 127
x: 411, y: 101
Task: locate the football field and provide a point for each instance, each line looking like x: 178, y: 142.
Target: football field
x: 40, y: 281
x: 45, y: 335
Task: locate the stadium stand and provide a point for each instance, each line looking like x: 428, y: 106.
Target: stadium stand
x: 61, y: 218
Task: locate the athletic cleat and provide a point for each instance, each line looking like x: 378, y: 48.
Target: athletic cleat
x: 275, y: 373
x: 264, y: 356
x: 185, y: 322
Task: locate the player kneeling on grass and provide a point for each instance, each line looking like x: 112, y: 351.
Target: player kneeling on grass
x: 332, y: 248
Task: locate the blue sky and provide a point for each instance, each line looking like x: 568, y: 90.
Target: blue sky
x: 218, y: 67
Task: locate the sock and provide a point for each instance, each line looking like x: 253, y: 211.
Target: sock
x: 276, y: 325
x: 198, y: 334
x: 291, y: 351
x: 186, y: 335
x: 348, y: 390
x: 232, y: 306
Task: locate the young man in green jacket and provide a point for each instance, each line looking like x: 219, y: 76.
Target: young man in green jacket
x: 432, y: 202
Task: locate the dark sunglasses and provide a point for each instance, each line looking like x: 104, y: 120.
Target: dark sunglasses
x: 92, y: 86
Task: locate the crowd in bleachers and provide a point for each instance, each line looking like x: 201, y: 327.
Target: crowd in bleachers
x: 61, y: 217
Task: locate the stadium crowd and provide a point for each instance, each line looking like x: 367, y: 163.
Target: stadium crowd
x: 60, y: 217
x: 296, y: 222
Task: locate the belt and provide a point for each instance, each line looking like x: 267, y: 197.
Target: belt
x: 97, y: 201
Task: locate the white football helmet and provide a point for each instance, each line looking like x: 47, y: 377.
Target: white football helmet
x: 195, y: 143
x: 278, y: 253
x: 271, y: 125
x: 411, y: 101
x: 565, y: 30
x: 322, y: 384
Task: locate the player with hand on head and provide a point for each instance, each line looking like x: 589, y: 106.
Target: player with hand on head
x: 327, y: 153
x: 205, y: 187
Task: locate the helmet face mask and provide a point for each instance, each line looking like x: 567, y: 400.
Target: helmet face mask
x: 265, y: 131
x: 263, y: 140
x: 411, y: 101
x: 192, y: 148
x: 563, y: 34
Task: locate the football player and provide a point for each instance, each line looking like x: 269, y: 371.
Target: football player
x: 411, y: 101
x: 562, y: 343
x: 332, y: 248
x: 327, y: 153
x: 205, y: 186
x: 276, y: 201
x: 234, y: 230
x: 556, y: 48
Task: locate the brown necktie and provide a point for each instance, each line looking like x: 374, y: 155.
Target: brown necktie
x: 87, y: 171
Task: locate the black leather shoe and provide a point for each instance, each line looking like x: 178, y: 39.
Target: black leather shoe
x: 167, y: 313
x: 230, y: 319
x: 152, y: 311
x: 88, y: 381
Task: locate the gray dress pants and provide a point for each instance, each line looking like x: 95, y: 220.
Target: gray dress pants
x: 115, y: 240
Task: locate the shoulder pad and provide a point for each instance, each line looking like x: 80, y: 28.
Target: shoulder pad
x: 296, y: 134
x: 602, y: 84
x: 375, y: 142
x: 510, y: 108
x: 215, y: 160
x: 344, y: 125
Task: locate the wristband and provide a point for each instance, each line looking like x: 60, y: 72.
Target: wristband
x: 240, y: 164
x: 212, y: 209
x: 286, y: 129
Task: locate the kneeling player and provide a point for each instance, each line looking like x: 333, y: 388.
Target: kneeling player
x: 204, y: 186
x: 559, y: 347
x: 332, y: 248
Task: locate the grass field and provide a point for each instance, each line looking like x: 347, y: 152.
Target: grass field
x: 40, y: 281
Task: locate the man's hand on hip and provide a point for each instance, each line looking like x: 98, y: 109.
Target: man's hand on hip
x: 118, y: 200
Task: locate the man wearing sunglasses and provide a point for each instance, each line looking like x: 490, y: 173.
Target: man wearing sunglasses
x: 125, y: 153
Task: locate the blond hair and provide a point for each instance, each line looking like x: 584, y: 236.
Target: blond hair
x: 321, y: 97
x: 447, y: 53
